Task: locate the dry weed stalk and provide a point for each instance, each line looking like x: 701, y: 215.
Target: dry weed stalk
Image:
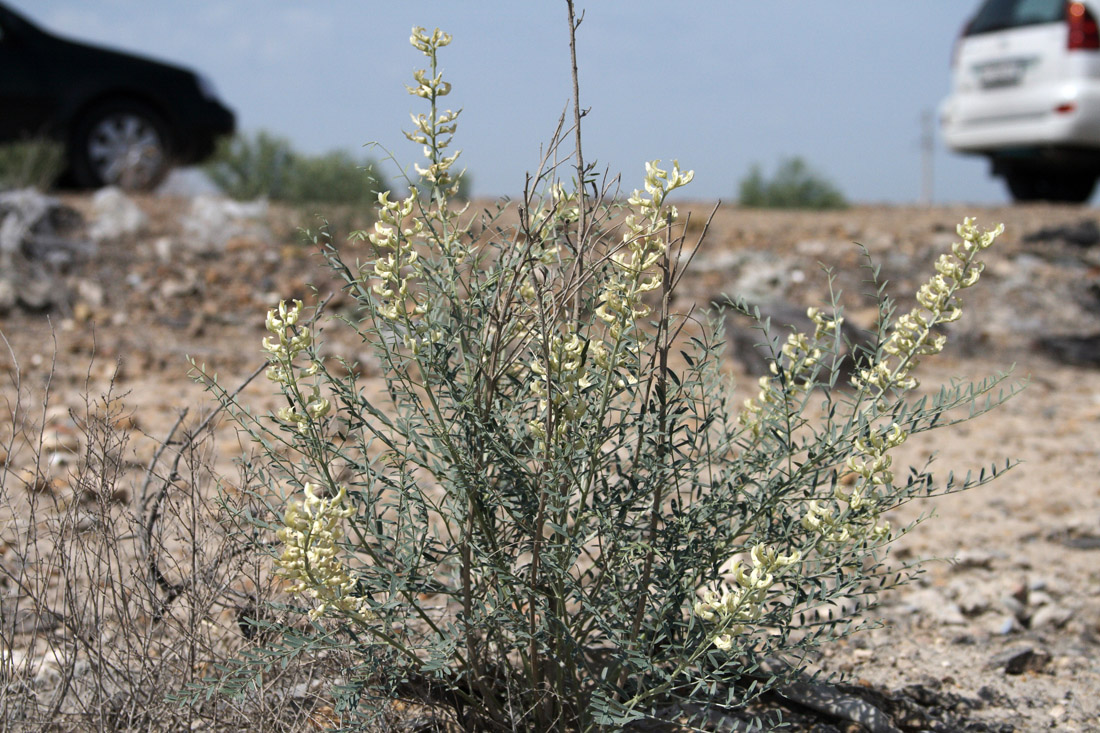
x: 122, y: 583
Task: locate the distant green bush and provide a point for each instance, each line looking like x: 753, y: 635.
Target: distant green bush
x: 262, y: 164
x: 794, y: 186
x: 31, y: 163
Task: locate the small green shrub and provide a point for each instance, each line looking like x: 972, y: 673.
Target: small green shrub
x: 557, y: 516
x: 31, y: 163
x: 794, y: 186
x: 247, y: 167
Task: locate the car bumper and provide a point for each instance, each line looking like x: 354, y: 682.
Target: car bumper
x: 982, y: 123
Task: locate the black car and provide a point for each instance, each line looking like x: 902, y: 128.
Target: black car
x: 123, y: 120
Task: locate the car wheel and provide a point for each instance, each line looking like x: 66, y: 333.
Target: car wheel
x: 122, y: 143
x: 1069, y: 188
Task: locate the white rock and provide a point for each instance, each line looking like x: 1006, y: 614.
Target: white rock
x: 187, y: 183
x: 19, y: 211
x: 213, y: 220
x: 115, y: 215
x: 1051, y: 616
x: 90, y: 292
x: 163, y: 247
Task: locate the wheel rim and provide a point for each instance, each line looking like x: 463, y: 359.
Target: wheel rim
x: 125, y: 150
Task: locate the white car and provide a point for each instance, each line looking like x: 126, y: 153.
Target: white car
x: 1026, y: 94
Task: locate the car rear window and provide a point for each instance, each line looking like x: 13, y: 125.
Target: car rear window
x: 998, y: 15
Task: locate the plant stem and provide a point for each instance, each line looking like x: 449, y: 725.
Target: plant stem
x: 582, y: 193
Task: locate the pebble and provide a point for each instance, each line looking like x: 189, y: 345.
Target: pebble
x: 973, y: 606
x: 115, y: 215
x: 1020, y: 659
x: 91, y: 292
x: 1051, y: 616
x: 38, y: 294
x: 35, y: 482
x: 1014, y: 606
x: 1004, y: 625
x: 970, y: 559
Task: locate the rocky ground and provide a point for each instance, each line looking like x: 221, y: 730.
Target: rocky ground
x: 1003, y: 630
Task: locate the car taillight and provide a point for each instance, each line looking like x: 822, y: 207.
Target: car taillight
x: 1083, y: 30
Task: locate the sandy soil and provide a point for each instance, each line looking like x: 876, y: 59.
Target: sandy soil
x: 1016, y: 566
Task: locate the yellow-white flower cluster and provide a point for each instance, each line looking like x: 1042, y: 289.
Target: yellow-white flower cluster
x: 561, y: 378
x: 310, y: 558
x: 870, y: 466
x: 743, y: 602
x: 938, y: 302
x: 801, y: 353
x: 407, y: 227
x: 287, y: 341
x: 400, y: 261
x: 425, y: 43
x: 561, y: 366
x: 544, y: 225
x: 643, y: 247
x: 564, y: 210
x: 434, y: 130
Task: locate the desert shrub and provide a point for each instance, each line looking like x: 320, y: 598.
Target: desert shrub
x: 247, y: 167
x: 31, y: 163
x: 794, y: 186
x: 557, y: 516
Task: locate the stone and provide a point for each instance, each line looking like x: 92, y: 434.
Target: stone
x: 163, y: 247
x: 1004, y: 624
x: 39, y: 227
x: 832, y: 701
x: 973, y: 605
x: 930, y: 603
x: 1016, y: 604
x: 1075, y: 350
x: 38, y: 235
x: 21, y: 212
x: 90, y: 292
x: 1084, y: 233
x: 187, y: 182
x: 116, y: 215
x: 34, y: 481
x: 212, y: 221
x: 1018, y: 660
x: 22, y: 620
x: 1051, y: 616
x: 39, y: 294
x: 970, y: 559
x: 1076, y: 537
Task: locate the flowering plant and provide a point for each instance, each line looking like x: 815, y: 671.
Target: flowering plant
x: 551, y: 520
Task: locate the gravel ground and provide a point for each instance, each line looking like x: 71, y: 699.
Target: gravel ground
x: 1001, y: 632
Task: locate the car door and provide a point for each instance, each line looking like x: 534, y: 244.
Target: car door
x: 26, y: 103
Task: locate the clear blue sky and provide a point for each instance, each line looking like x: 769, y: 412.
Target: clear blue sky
x: 719, y: 84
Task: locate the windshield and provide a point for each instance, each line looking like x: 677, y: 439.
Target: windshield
x: 997, y: 15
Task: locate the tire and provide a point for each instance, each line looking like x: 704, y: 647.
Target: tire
x: 1067, y: 188
x: 121, y: 143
